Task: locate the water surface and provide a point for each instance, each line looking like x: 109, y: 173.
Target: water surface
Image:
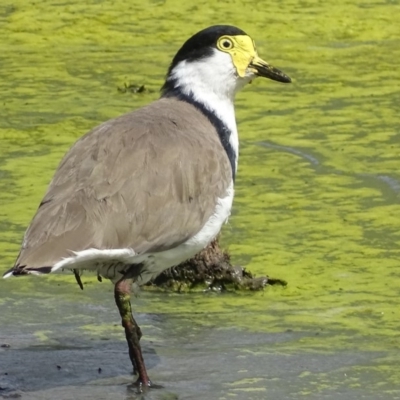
x: 317, y: 203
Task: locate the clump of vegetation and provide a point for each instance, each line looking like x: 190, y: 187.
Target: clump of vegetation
x: 133, y: 88
x: 211, y: 269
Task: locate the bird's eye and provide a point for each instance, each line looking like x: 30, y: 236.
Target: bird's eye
x: 225, y: 43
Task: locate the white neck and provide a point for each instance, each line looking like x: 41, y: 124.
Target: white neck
x: 212, y: 82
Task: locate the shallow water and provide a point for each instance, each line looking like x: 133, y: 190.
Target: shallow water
x: 317, y: 204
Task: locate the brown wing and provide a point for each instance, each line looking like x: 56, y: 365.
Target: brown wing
x: 147, y: 180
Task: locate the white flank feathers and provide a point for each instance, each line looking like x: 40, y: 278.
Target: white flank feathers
x: 88, y: 258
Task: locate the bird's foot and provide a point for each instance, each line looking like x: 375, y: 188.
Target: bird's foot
x: 144, y: 384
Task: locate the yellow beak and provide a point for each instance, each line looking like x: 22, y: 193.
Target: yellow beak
x: 262, y: 68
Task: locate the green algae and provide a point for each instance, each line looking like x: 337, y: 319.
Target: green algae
x: 317, y: 195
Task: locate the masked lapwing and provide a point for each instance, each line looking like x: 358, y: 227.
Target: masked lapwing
x: 147, y: 190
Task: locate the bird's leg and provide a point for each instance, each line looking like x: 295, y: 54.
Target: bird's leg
x: 138, y: 332
x: 122, y: 292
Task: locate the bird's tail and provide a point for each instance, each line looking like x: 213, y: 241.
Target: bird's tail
x: 19, y: 270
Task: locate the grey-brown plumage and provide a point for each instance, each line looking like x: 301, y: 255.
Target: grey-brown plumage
x: 148, y: 180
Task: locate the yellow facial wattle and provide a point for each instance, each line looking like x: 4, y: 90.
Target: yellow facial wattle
x: 245, y: 58
x: 242, y: 50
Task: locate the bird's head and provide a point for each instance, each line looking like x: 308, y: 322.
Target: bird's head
x: 220, y: 59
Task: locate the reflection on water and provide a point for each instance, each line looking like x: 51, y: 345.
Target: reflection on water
x: 317, y: 202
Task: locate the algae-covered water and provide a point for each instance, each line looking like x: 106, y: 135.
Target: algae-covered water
x: 317, y: 203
